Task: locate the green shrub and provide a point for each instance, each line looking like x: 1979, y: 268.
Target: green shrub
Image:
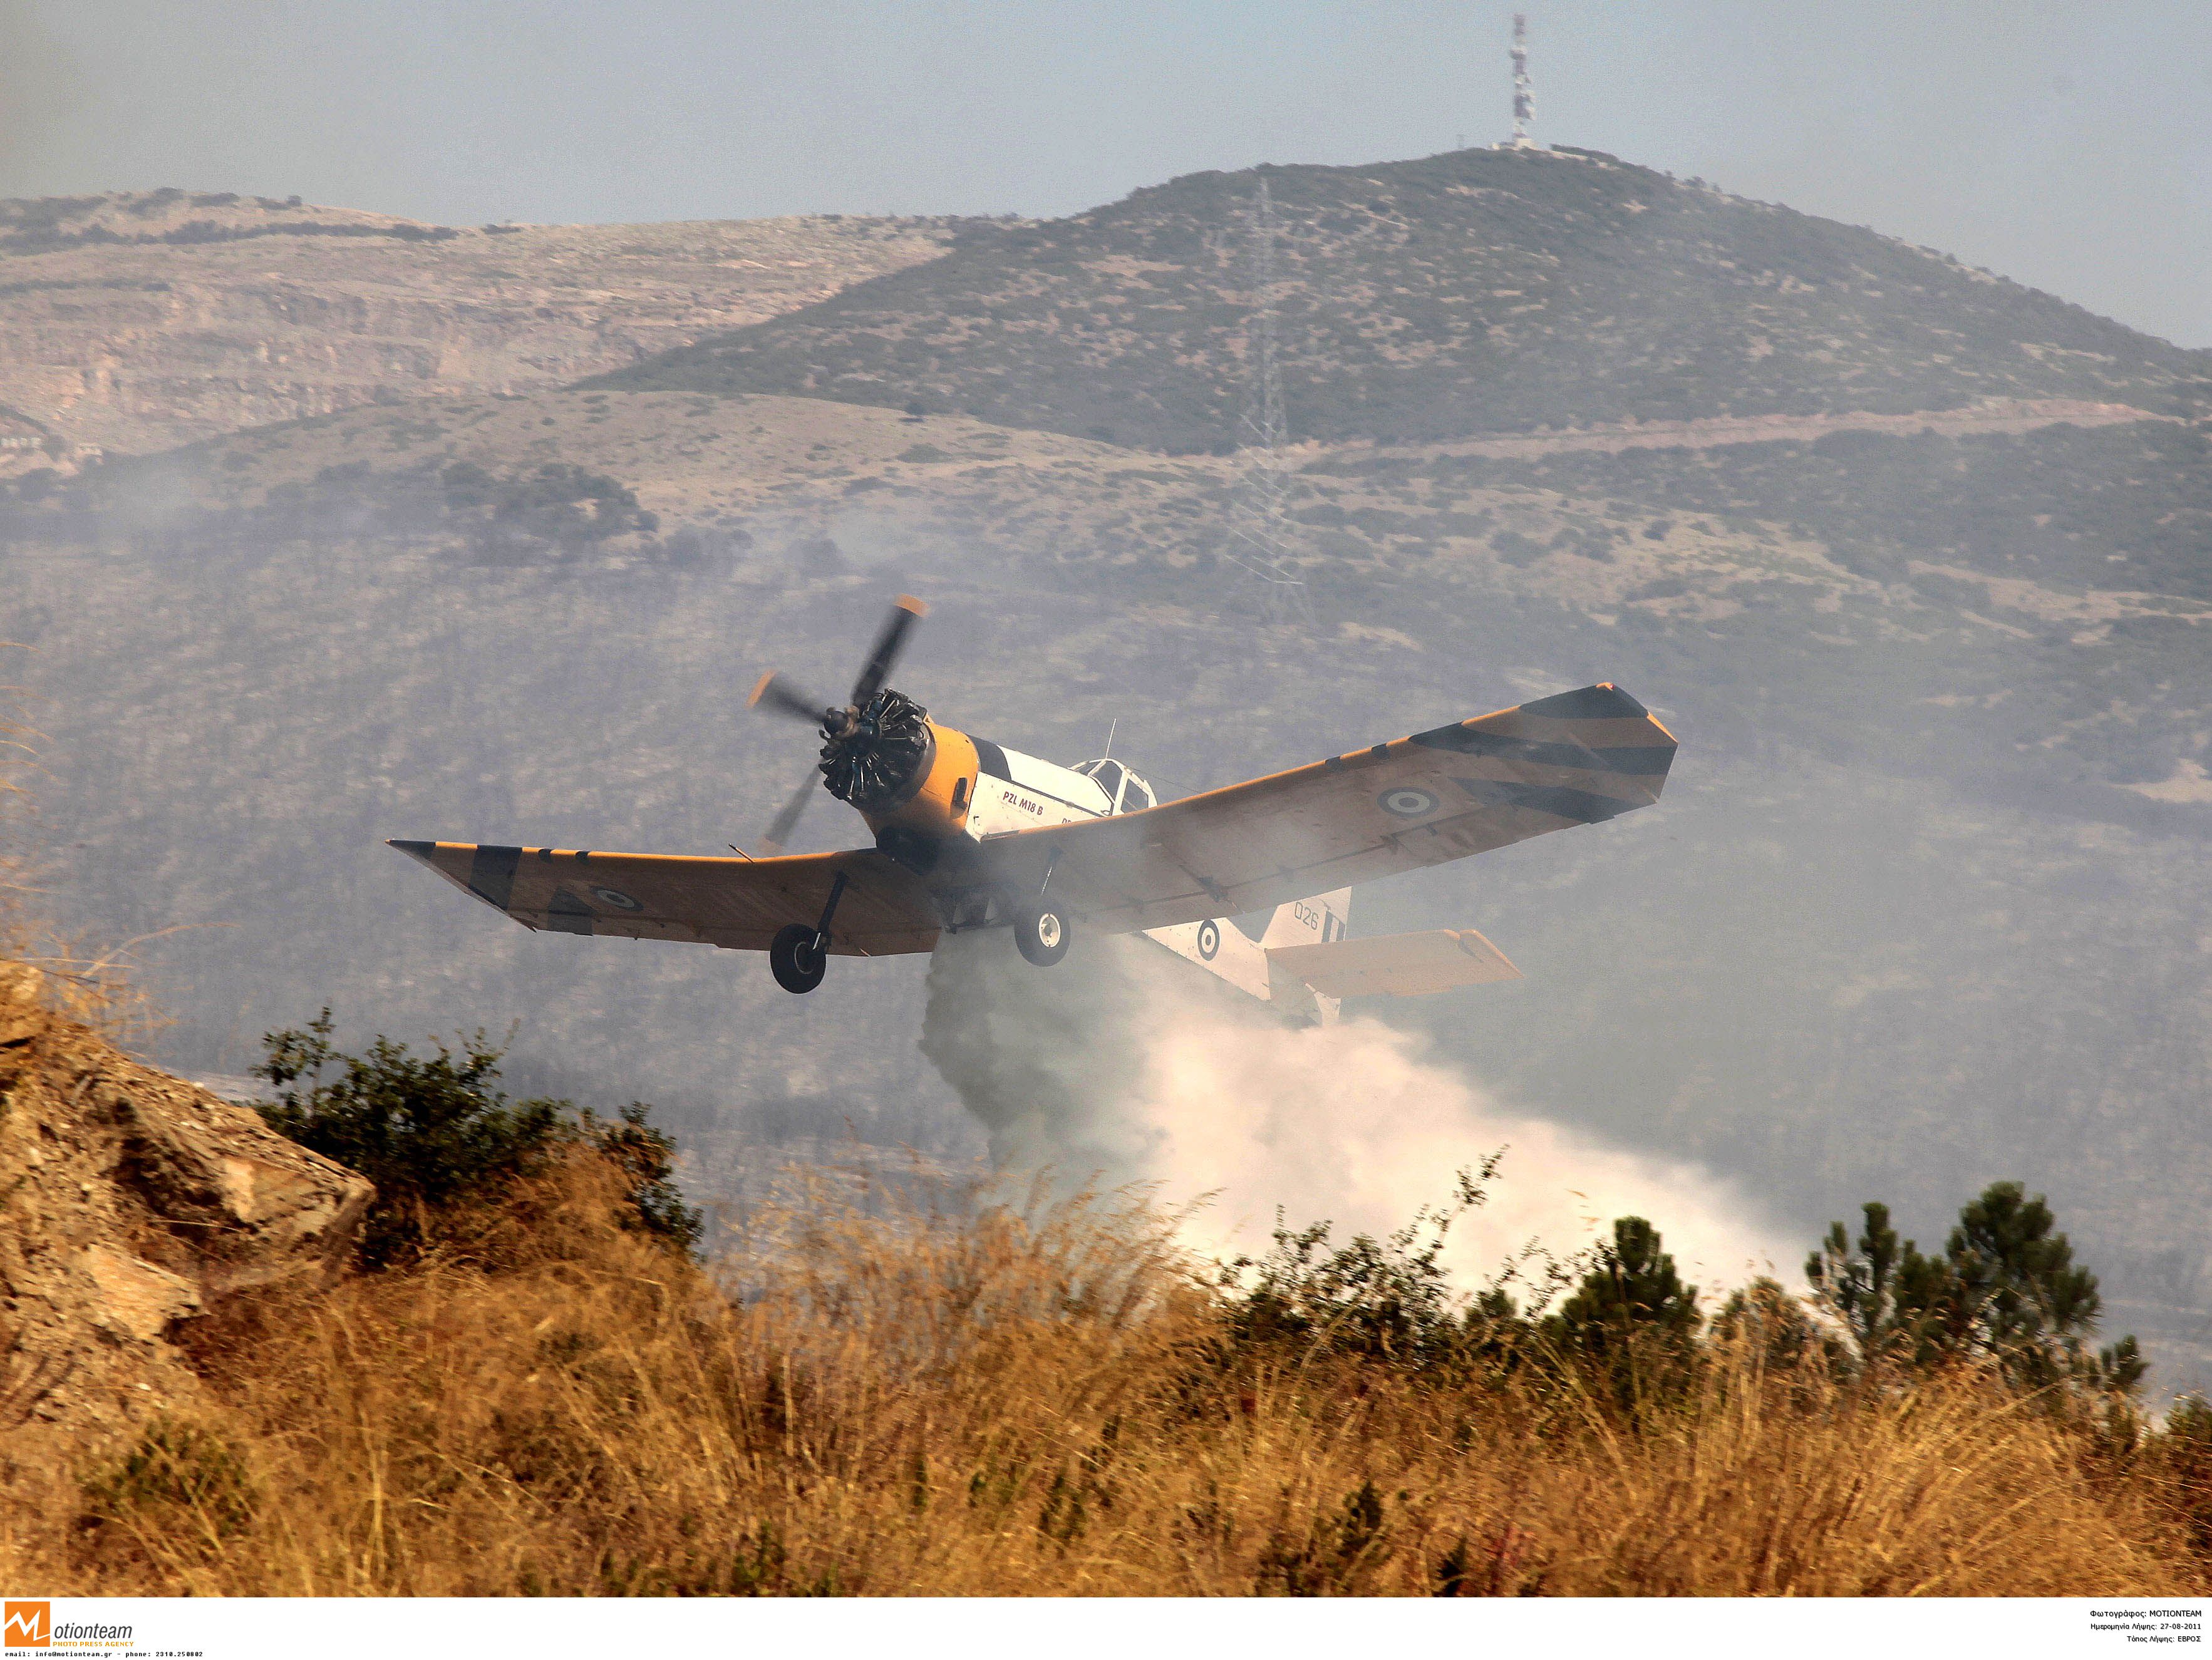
x: 1631, y: 1325
x: 1389, y: 1298
x: 175, y: 1467
x: 436, y: 1136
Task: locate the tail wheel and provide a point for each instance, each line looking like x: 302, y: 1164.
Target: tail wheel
x: 1042, y: 933
x: 797, y: 959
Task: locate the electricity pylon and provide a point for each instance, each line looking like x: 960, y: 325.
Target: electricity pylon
x: 1260, y: 511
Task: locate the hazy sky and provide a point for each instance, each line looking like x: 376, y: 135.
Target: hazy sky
x: 2065, y: 145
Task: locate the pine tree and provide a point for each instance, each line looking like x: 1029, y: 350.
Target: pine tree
x: 2006, y: 1289
x: 2031, y: 1306
x: 1859, y: 1288
x: 1631, y: 1318
x: 1771, y: 1323
x: 1894, y: 1302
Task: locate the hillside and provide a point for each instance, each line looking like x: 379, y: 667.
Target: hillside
x: 1923, y: 906
x: 2042, y: 549
x: 1484, y: 290
x: 231, y: 1366
x: 136, y: 322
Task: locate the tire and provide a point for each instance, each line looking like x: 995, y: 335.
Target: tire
x: 795, y: 960
x: 1042, y: 933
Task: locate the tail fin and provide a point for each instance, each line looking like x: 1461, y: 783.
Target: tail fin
x: 1315, y: 921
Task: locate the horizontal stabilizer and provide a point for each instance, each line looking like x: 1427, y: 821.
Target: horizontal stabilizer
x: 1396, y: 964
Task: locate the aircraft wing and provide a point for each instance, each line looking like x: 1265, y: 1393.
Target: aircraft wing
x: 1576, y: 759
x: 739, y: 903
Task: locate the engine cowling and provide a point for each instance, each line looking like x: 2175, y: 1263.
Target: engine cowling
x: 930, y: 807
x: 879, y: 757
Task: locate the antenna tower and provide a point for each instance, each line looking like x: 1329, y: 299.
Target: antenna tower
x: 1524, y: 93
x: 1260, y: 513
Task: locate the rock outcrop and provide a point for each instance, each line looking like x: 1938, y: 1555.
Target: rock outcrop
x: 130, y: 1201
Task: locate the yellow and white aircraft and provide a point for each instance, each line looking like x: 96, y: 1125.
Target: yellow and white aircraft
x: 1252, y: 882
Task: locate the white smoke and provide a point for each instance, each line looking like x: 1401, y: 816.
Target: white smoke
x: 1125, y: 1064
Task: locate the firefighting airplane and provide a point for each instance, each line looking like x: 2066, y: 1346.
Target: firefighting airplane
x: 1252, y: 882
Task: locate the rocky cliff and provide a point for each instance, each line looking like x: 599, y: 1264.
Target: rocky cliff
x: 129, y: 1202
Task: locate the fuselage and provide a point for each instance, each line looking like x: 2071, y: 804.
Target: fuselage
x: 969, y: 790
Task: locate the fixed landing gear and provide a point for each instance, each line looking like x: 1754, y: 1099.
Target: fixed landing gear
x: 799, y: 956
x: 1042, y: 934
x: 1041, y: 929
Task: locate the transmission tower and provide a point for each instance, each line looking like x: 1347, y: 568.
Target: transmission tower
x: 1260, y: 511
x: 1524, y: 93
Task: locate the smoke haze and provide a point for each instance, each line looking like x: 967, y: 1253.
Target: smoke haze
x: 37, y: 81
x: 1125, y: 1065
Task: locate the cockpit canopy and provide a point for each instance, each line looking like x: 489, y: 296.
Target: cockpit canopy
x: 1125, y: 791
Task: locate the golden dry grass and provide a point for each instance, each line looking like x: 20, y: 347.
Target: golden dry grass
x: 1025, y: 1400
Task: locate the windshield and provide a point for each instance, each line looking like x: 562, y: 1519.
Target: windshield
x: 1108, y: 774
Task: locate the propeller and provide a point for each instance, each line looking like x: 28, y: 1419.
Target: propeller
x: 776, y: 695
x: 890, y: 640
x: 873, y: 747
x: 778, y: 832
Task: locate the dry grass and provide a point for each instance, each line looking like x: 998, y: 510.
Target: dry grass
x: 1017, y: 1401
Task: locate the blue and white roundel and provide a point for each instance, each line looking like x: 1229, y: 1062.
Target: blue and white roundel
x: 616, y: 898
x: 1209, y: 939
x: 1407, y: 802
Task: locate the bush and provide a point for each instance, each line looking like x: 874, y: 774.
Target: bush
x: 1387, y: 1298
x: 646, y: 1158
x: 179, y: 1479
x: 438, y: 1139
x: 935, y: 1394
x: 2183, y: 1449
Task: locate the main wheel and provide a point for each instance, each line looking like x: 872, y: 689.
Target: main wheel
x: 797, y: 960
x: 1043, y: 934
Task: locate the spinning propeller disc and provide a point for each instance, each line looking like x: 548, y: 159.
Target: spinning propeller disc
x: 876, y: 747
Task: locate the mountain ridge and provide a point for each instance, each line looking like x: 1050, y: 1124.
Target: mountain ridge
x: 1479, y: 291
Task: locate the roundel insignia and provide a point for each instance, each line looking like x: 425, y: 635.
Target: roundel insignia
x: 1407, y: 802
x: 616, y: 898
x: 1209, y: 939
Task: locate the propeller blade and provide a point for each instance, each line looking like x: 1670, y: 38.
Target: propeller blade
x: 779, y: 833
x: 904, y: 615
x: 776, y: 695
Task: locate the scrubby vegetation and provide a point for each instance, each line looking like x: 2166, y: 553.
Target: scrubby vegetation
x: 446, y: 1147
x: 943, y: 1392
